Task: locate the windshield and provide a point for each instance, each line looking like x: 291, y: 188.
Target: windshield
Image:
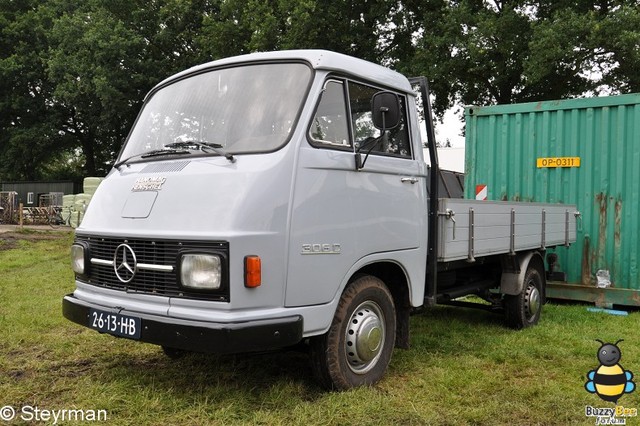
x: 250, y: 108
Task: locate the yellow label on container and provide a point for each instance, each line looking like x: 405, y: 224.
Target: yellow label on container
x: 558, y: 162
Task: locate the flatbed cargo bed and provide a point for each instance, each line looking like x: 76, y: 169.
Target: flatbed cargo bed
x: 471, y: 228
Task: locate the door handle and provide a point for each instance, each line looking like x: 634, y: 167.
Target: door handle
x: 410, y: 180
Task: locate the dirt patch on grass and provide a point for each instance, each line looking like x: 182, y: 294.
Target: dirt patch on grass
x: 9, y: 240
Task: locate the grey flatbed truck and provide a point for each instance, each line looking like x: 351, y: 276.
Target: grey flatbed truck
x: 282, y: 198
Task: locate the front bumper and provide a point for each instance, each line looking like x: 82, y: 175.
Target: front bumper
x: 200, y: 336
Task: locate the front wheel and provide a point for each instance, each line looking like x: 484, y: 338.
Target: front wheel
x: 523, y: 310
x: 357, y: 348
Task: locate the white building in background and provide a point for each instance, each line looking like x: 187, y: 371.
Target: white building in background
x: 451, y: 158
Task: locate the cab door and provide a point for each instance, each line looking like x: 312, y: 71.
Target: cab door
x: 342, y: 214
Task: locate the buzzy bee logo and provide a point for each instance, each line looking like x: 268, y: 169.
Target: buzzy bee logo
x: 610, y: 381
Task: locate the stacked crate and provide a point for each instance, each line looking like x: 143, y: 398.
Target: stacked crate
x: 77, y: 204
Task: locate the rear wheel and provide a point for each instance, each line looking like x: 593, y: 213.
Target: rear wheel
x: 523, y: 310
x: 357, y: 348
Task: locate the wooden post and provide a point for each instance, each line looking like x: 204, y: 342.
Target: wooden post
x: 20, y: 207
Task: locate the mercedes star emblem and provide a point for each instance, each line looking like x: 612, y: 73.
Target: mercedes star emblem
x: 124, y: 263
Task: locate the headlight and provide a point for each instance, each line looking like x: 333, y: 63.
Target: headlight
x: 201, y: 271
x: 78, y: 256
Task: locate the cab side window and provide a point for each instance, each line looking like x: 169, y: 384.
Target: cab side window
x: 368, y: 136
x: 329, y: 125
x: 344, y: 117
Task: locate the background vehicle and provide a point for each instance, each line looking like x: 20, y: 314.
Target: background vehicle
x: 276, y: 198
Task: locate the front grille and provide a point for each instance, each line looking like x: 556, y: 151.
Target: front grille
x: 158, y: 253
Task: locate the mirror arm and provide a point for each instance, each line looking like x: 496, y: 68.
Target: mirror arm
x: 359, y: 161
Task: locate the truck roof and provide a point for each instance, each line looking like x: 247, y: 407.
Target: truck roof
x: 319, y: 60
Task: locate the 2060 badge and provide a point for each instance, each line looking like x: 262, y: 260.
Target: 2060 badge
x: 325, y: 248
x: 149, y: 183
x: 125, y: 263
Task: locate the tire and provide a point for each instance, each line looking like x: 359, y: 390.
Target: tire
x: 523, y: 310
x: 358, y: 346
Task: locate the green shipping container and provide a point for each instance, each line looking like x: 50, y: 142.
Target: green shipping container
x: 580, y: 151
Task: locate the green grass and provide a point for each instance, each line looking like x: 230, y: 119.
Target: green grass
x: 464, y: 366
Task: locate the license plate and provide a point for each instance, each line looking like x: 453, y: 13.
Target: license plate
x: 116, y: 324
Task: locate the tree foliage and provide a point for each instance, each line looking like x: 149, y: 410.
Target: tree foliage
x: 597, y: 43
x: 487, y: 52
x: 73, y: 74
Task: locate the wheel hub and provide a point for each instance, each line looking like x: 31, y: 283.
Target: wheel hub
x: 532, y: 301
x: 364, y: 337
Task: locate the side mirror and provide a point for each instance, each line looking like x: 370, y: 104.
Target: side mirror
x: 385, y: 108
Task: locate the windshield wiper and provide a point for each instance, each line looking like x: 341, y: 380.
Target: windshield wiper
x: 155, y: 153
x: 204, y: 146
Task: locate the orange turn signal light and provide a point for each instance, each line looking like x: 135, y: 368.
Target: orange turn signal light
x: 252, y: 271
